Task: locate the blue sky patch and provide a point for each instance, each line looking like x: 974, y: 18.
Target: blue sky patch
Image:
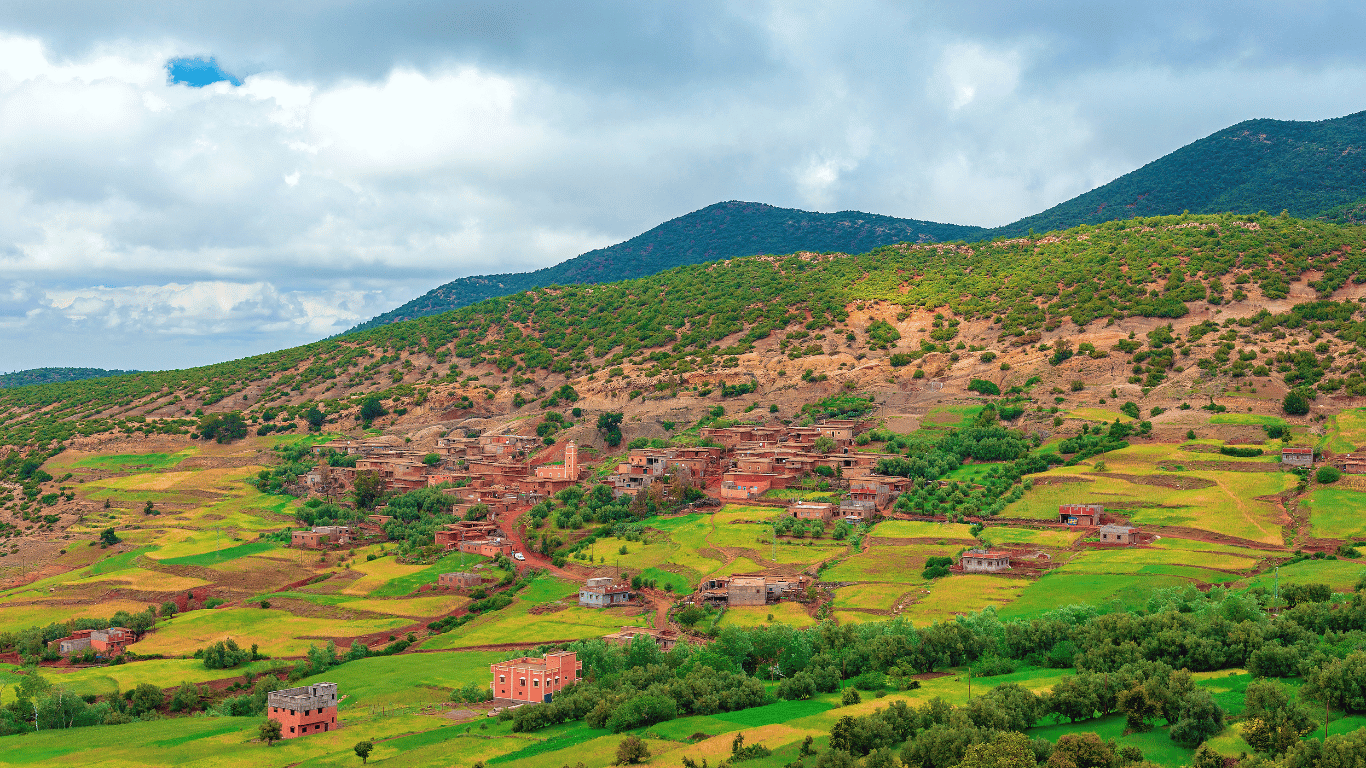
x: 198, y: 72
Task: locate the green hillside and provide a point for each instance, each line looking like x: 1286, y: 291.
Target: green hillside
x: 699, y: 318
x: 1256, y: 165
x: 720, y: 231
x: 54, y: 376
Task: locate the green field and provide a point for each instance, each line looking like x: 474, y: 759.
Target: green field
x: 1337, y: 513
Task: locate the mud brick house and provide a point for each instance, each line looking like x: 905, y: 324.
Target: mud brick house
x: 740, y: 486
x: 1353, y: 464
x: 76, y: 643
x: 750, y: 589
x: 1080, y: 514
x: 398, y: 470
x: 1118, y: 534
x: 486, y: 547
x: 459, y: 579
x: 664, y: 638
x: 111, y: 642
x: 810, y: 510
x: 601, y: 592
x: 857, y: 510
x: 320, y: 537
x: 535, y: 681
x: 305, y: 710
x: 465, y: 530
x: 1297, y: 457
x: 984, y: 561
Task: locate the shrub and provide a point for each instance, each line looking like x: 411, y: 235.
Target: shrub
x: 984, y: 387
x: 1328, y: 475
x: 632, y: 750
x: 1245, y: 453
x: 901, y: 359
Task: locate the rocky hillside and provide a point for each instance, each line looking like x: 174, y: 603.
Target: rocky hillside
x: 1163, y: 311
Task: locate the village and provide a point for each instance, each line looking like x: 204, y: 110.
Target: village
x: 497, y: 477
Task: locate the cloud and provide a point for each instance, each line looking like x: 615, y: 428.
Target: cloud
x: 377, y: 150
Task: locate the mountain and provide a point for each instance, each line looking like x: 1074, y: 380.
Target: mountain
x: 720, y: 231
x: 54, y: 376
x: 771, y: 325
x: 1256, y: 165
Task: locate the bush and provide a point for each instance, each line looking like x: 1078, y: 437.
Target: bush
x: 901, y: 359
x: 1328, y: 475
x: 850, y: 697
x: 1130, y: 409
x: 1245, y: 453
x: 984, y: 387
x: 632, y: 750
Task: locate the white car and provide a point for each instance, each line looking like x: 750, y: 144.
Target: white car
x: 518, y: 556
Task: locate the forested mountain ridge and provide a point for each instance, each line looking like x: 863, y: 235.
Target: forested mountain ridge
x: 724, y: 321
x: 1257, y: 165
x: 720, y: 231
x: 54, y: 376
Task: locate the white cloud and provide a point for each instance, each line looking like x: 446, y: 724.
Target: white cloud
x: 371, y: 155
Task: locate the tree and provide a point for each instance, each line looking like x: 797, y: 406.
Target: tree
x: 632, y: 750
x: 1083, y: 750
x: 431, y: 459
x: 314, y: 417
x: 368, y: 489
x: 1272, y: 721
x: 1138, y: 708
x: 1009, y: 749
x: 363, y: 750
x: 825, y: 444
x: 850, y: 696
x: 270, y: 732
x: 168, y: 609
x: 370, y: 409
x: 145, y: 698
x: 609, y: 425
x: 1327, y: 475
x: 109, y: 538
x: 1295, y: 403
x: 1200, y: 718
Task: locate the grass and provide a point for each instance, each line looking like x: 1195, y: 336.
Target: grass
x: 1056, y: 590
x: 163, y: 673
x: 788, y: 613
x: 127, y: 462
x: 871, y: 595
x: 1229, y: 506
x: 222, y: 555
x: 1015, y: 535
x: 1337, y: 513
x: 409, y: 678
x: 277, y: 632
x: 1347, y: 431
x: 1133, y: 560
x: 409, y: 582
x: 1099, y: 414
x: 886, y: 563
x: 1246, y: 419
x: 1338, y: 574
x: 915, y: 529
x: 963, y: 594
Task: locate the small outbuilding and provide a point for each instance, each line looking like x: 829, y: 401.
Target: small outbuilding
x: 984, y: 561
x: 1080, y: 514
x: 1118, y: 534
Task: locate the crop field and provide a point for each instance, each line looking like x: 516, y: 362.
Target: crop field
x: 218, y: 556
x: 915, y: 529
x: 17, y: 616
x: 887, y: 563
x: 1057, y: 590
x: 126, y: 462
x: 876, y: 596
x: 1219, y: 502
x: 1100, y: 414
x: 277, y: 632
x: 163, y: 673
x: 1135, y: 560
x: 407, y: 678
x: 1337, y: 513
x: 1252, y: 419
x: 1059, y: 539
x: 963, y: 594
x: 1338, y: 574
x: 1346, y: 431
x: 792, y: 614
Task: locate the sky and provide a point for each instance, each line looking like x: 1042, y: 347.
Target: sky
x: 183, y: 183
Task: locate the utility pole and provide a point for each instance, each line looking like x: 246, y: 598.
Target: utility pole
x: 1325, y: 718
x: 1276, y: 593
x: 969, y: 682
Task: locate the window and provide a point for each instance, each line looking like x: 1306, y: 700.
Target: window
x: 535, y: 683
x: 291, y: 729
